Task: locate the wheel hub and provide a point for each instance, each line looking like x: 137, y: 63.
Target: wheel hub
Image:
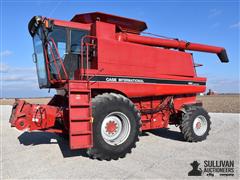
x: 111, y: 127
x: 115, y: 128
x: 200, y: 125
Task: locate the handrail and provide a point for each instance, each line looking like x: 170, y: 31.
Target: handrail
x: 54, y: 60
x: 55, y: 63
x: 83, y: 44
x: 47, y: 63
x: 60, y: 59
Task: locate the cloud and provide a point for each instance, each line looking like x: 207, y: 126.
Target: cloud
x: 223, y: 85
x: 21, y: 83
x: 15, y: 78
x: 214, y: 13
x: 4, y: 68
x: 236, y: 25
x: 6, y: 53
x: 24, y: 69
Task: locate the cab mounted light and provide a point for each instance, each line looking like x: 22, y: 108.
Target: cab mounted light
x: 33, y: 24
x: 38, y: 19
x: 48, y: 24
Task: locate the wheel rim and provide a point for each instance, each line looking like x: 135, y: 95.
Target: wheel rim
x: 115, y: 128
x: 200, y: 125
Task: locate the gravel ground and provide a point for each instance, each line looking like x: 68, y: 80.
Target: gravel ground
x: 161, y: 154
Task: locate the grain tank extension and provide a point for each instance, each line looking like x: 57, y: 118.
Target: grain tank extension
x: 112, y: 82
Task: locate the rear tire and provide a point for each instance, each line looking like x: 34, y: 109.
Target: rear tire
x: 195, y: 124
x: 116, y: 126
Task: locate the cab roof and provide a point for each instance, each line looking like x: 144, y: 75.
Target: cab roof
x: 125, y: 24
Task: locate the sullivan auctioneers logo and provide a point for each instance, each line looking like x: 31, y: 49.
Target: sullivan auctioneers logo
x: 212, y: 168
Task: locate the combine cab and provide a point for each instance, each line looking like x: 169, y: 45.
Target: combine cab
x: 112, y: 83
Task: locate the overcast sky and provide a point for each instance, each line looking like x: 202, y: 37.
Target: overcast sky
x: 210, y: 22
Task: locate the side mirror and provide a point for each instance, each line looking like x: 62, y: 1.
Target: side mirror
x: 34, y: 57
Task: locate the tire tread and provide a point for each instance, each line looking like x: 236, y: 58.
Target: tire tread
x: 95, y: 152
x: 186, y: 124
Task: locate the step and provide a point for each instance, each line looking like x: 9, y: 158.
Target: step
x: 78, y: 85
x: 81, y: 141
x: 80, y: 125
x: 80, y: 129
x: 79, y: 99
x: 82, y: 120
x: 79, y: 105
x: 76, y: 133
x: 79, y: 113
x: 73, y: 91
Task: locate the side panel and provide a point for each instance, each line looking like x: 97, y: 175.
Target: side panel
x: 129, y: 59
x: 144, y: 90
x: 159, y: 111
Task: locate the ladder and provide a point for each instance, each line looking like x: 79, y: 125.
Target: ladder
x: 80, y: 114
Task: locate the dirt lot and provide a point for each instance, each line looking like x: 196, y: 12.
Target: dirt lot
x: 160, y: 154
x: 214, y: 103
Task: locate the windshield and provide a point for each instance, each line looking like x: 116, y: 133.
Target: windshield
x: 39, y: 55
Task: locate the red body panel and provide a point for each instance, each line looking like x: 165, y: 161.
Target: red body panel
x: 144, y: 90
x: 123, y: 23
x: 119, y: 58
x: 142, y: 61
x: 71, y: 24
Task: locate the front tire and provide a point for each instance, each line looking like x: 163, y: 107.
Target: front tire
x: 195, y: 124
x: 116, y: 126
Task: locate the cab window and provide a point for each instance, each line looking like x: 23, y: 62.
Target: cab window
x: 75, y: 42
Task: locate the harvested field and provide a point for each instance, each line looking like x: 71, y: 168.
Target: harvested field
x: 221, y: 103
x: 213, y: 103
x: 30, y: 100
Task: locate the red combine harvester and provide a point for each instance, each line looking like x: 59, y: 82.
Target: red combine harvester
x: 112, y: 83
